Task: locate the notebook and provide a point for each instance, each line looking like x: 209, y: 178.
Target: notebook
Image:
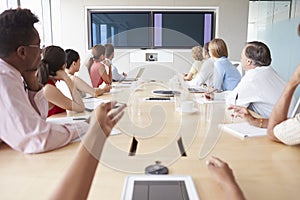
x: 243, y: 130
x: 138, y: 75
x: 91, y: 103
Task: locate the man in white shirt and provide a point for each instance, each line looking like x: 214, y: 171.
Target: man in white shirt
x: 23, y: 106
x: 109, y: 55
x: 261, y: 86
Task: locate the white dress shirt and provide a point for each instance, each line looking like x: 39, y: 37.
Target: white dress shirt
x: 23, y: 123
x: 259, y: 91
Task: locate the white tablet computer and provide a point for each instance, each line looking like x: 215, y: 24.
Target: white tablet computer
x: 159, y: 187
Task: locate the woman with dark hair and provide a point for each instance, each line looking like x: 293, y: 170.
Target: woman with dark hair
x: 52, y: 70
x: 98, y: 71
x: 73, y: 65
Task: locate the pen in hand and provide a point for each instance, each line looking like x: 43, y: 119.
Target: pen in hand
x: 235, y: 100
x: 209, y: 94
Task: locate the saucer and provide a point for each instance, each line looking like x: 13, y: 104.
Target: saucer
x: 190, y: 111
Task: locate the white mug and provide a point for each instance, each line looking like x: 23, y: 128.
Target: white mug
x: 187, y: 106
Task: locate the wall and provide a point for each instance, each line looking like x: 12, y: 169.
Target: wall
x: 232, y: 26
x: 276, y: 25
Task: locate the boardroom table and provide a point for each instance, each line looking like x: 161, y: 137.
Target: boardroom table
x: 263, y: 169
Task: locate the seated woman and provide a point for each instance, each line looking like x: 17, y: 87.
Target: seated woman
x: 226, y: 76
x: 205, y: 76
x: 100, y: 70
x: 73, y: 65
x: 52, y: 70
x: 198, y: 60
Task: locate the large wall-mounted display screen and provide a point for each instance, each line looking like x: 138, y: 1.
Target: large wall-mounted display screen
x: 122, y: 29
x: 151, y: 29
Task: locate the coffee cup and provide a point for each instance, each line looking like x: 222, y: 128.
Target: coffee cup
x: 187, y: 106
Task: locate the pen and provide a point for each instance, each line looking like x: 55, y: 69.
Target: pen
x: 214, y: 90
x: 158, y: 98
x: 79, y: 118
x: 88, y: 97
x: 235, y: 100
x: 208, y: 96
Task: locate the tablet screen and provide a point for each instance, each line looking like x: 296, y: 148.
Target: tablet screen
x: 159, y: 190
x: 159, y: 187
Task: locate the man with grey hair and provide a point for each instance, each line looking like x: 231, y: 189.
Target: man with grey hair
x: 261, y: 86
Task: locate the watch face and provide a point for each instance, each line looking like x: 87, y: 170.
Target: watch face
x: 156, y: 169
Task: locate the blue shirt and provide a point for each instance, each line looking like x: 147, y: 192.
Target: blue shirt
x: 226, y: 76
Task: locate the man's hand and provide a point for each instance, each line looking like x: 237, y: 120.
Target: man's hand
x: 31, y: 80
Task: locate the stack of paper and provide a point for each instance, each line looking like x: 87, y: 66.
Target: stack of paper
x: 72, y: 120
x: 243, y: 130
x: 67, y: 120
x: 203, y: 100
x: 91, y: 103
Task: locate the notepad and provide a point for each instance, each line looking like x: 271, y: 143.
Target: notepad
x: 243, y: 130
x: 197, y: 90
x: 67, y: 120
x: 91, y: 103
x: 203, y: 100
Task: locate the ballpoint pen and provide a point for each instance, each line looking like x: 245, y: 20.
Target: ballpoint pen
x: 207, y: 94
x: 235, y: 100
x: 212, y: 91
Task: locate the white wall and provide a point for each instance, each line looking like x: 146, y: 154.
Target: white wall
x: 232, y: 22
x: 274, y: 24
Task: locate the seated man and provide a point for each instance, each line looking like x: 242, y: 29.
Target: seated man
x: 23, y: 106
x: 280, y: 127
x: 109, y: 55
x: 261, y: 86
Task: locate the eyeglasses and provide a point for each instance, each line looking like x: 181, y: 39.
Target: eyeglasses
x: 41, y: 46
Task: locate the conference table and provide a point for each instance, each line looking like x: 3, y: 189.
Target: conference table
x: 263, y: 169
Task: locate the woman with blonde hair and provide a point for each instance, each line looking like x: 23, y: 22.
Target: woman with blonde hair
x: 205, y: 77
x: 226, y: 76
x: 197, y: 55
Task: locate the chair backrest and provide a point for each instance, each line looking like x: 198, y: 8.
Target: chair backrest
x: 296, y: 109
x: 84, y: 75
